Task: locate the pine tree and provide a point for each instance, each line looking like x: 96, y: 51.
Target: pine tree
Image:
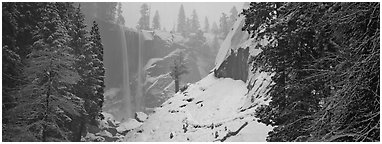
x: 215, y: 45
x: 206, y: 25
x: 214, y: 28
x: 156, y: 21
x: 106, y: 11
x: 11, y: 59
x: 120, y: 19
x: 144, y: 21
x: 188, y: 27
x: 79, y: 43
x: 177, y: 69
x: 98, y: 67
x: 325, y: 74
x: 45, y: 101
x: 19, y: 23
x: 224, y: 29
x: 181, y: 27
x: 194, y: 25
x: 197, y: 41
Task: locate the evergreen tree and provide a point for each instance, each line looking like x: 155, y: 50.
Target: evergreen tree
x: 325, y: 82
x: 214, y: 28
x: 177, y: 69
x: 215, y: 45
x: 188, y: 27
x: 106, y: 11
x: 194, y: 25
x: 144, y: 21
x: 197, y: 40
x: 46, y: 100
x: 99, y: 70
x: 224, y: 28
x: 11, y: 64
x: 181, y: 27
x: 232, y: 17
x: 120, y: 19
x: 156, y: 21
x: 206, y: 25
x: 19, y: 24
x: 79, y: 43
x: 49, y: 100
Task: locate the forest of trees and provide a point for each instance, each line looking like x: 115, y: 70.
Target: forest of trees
x: 53, y: 73
x: 186, y: 26
x: 325, y: 60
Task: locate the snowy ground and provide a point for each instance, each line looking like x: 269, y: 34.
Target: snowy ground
x: 208, y: 110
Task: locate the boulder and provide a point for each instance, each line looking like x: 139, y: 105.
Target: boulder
x: 113, y: 131
x: 111, y: 123
x: 104, y: 133
x: 93, y: 138
x: 128, y: 125
x: 92, y: 129
x: 140, y: 116
x: 111, y: 139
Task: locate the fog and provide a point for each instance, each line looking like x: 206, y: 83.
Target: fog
x: 169, y: 11
x: 139, y: 57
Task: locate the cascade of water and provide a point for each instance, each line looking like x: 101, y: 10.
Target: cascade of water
x: 139, y: 96
x: 127, y: 109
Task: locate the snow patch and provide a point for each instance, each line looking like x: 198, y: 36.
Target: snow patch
x: 128, y: 125
x: 140, y: 116
x: 208, y: 110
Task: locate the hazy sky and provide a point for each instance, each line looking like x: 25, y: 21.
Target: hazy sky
x: 168, y: 11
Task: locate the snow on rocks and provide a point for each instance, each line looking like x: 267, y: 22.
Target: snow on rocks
x: 128, y: 125
x: 147, y: 35
x: 208, y: 110
x: 140, y: 116
x: 110, y: 130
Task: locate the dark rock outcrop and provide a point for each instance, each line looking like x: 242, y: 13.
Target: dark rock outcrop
x: 235, y: 66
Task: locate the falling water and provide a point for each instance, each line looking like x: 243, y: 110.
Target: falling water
x: 139, y: 95
x: 127, y: 110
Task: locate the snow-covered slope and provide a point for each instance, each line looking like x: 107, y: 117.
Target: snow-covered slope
x: 208, y: 110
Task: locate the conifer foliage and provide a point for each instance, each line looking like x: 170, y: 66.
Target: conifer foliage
x: 98, y: 70
x: 178, y: 68
x: 181, y: 25
x: 325, y: 60
x: 156, y: 21
x: 46, y: 100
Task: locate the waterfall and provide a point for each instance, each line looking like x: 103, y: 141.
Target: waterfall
x: 139, y: 95
x: 127, y: 109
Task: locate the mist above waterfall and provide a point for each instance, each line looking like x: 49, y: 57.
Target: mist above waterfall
x: 138, y: 58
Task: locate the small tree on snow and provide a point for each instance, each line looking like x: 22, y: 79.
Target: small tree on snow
x: 177, y: 69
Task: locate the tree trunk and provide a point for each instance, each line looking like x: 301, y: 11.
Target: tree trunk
x: 44, y: 131
x: 176, y: 84
x: 77, y: 136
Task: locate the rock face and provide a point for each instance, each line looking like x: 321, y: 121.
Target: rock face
x: 235, y: 66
